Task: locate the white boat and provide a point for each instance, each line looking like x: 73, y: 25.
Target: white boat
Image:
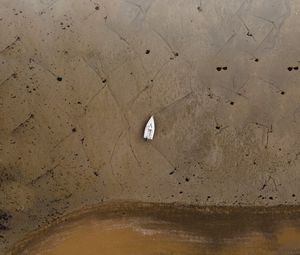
x: 149, y: 129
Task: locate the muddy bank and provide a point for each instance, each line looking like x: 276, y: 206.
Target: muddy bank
x: 129, y: 228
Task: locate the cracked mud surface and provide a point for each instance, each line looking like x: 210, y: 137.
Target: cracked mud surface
x: 79, y: 79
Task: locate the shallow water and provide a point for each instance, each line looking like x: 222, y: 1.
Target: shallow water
x: 170, y: 232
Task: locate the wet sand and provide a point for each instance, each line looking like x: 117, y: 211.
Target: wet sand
x: 156, y: 230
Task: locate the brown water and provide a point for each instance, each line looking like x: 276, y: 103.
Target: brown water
x: 170, y: 233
